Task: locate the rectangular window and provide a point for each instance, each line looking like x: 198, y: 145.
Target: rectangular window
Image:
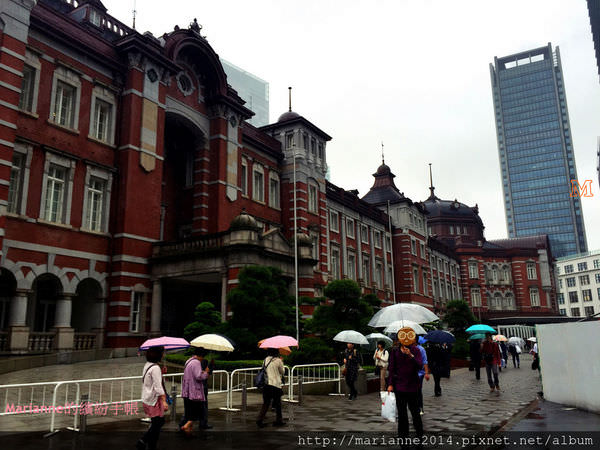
x: 364, y: 234
x: 313, y: 198
x: 562, y: 312
x: 350, y: 227
x: 573, y: 298
x: 64, y: 104
x: 27, y: 88
x: 416, y: 280
x: 102, y: 121
x: 571, y: 282
x: 560, y: 284
x: 581, y: 266
x: 561, y: 298
x: 313, y: 147
x: 94, y: 216
x: 258, y: 186
x: 589, y: 310
x: 451, y: 229
x: 136, y: 308
x: 584, y: 280
x: 377, y: 238
x: 534, y: 297
x: 334, y: 221
x: 55, y: 194
x: 15, y: 187
x: 475, y: 297
x: 597, y: 264
x: 531, y: 271
x: 388, y: 244
x: 335, y: 263
x: 575, y: 312
x: 597, y: 277
x: 305, y: 141
x: 413, y: 247
x: 351, y: 266
x: 321, y: 151
x: 422, y: 248
x: 244, y: 179
x: 366, y: 269
x: 586, y: 295
x: 424, y: 283
x: 379, y: 275
x: 289, y: 141
x: 569, y: 268
x: 274, y: 191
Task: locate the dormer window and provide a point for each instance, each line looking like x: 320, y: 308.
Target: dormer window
x: 95, y: 17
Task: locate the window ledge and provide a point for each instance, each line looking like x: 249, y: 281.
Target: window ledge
x: 96, y: 233
x: 98, y: 141
x: 54, y: 224
x: 62, y: 127
x: 16, y: 216
x: 29, y: 113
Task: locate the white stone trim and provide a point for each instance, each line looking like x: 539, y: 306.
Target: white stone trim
x: 105, y: 94
x: 93, y: 171
x: 135, y: 236
x: 69, y: 164
x: 71, y: 78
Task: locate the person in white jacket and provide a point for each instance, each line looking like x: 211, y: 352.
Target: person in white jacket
x: 381, y: 357
x: 154, y: 398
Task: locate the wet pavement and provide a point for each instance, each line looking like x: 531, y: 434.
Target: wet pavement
x: 465, y: 408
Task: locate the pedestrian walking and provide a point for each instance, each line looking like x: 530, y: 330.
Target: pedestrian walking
x: 475, y: 352
x: 381, y: 358
x: 439, y: 366
x: 272, y: 391
x: 423, y: 373
x: 491, y: 357
x: 403, y: 379
x: 351, y: 363
x: 514, y: 350
x: 154, y: 398
x: 504, y: 353
x: 193, y: 392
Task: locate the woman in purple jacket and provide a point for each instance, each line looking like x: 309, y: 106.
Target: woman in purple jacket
x: 192, y: 390
x: 403, y: 379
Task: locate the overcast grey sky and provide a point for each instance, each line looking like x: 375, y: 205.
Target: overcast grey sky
x: 411, y: 73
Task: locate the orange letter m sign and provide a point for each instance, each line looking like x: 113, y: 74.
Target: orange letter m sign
x: 581, y: 190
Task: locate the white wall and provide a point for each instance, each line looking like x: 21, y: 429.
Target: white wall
x: 570, y: 363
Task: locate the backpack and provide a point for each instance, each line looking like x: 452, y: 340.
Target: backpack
x: 261, y: 377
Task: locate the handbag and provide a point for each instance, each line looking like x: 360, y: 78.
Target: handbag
x: 344, y: 370
x: 518, y: 349
x: 261, y: 377
x: 388, y: 406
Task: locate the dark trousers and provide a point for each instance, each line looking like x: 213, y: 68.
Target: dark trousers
x: 515, y: 356
x: 489, y: 369
x: 477, y: 365
x: 350, y: 383
x: 410, y: 400
x: 201, y: 410
x: 271, y: 394
x: 151, y: 436
x: 438, y: 387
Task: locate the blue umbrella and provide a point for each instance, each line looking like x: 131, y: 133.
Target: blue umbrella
x: 476, y: 336
x: 440, y: 337
x: 480, y: 328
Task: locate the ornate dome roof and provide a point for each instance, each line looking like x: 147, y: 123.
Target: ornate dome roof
x: 288, y: 115
x: 243, y: 222
x: 441, y: 209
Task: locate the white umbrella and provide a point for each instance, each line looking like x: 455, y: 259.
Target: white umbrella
x: 515, y: 340
x: 379, y: 337
x: 351, y: 336
x: 213, y: 342
x: 402, y: 311
x: 397, y: 324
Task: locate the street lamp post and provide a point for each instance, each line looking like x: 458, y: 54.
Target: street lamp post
x: 296, y: 247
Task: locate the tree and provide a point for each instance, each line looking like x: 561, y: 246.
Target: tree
x: 207, y: 321
x: 349, y: 311
x: 261, y: 307
x: 458, y: 315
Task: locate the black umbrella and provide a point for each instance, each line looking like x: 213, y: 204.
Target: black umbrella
x: 440, y: 337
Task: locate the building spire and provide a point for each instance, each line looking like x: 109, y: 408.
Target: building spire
x: 134, y: 12
x: 290, y: 98
x: 382, y: 156
x: 431, y: 188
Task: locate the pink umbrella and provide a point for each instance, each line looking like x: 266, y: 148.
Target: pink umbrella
x: 169, y: 343
x: 279, y: 342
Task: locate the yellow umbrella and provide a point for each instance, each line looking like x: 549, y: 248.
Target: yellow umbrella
x: 500, y: 338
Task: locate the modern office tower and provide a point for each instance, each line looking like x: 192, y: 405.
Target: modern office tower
x: 253, y: 90
x: 594, y: 12
x: 536, y: 149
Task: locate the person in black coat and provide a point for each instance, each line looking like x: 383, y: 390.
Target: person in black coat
x: 439, y: 365
x: 476, y: 357
x: 351, y: 363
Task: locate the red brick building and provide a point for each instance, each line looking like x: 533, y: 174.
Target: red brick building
x: 132, y: 188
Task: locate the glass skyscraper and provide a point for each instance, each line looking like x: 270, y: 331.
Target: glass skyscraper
x: 536, y: 149
x: 253, y: 90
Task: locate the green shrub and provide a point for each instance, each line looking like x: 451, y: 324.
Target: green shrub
x: 311, y: 351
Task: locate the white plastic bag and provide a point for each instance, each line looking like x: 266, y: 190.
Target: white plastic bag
x: 518, y: 349
x: 388, y: 406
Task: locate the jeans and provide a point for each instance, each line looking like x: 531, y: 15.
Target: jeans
x: 515, y: 356
x: 151, y: 436
x: 353, y: 391
x: 410, y: 399
x: 271, y: 394
x: 489, y: 369
x: 420, y: 396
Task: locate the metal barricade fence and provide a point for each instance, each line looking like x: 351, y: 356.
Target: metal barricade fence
x: 315, y: 373
x: 240, y: 377
x: 22, y: 398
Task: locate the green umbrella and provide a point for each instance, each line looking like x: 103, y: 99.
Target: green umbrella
x: 477, y: 336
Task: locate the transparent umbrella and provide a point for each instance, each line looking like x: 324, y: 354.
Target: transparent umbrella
x: 351, y: 336
x: 402, y: 311
x: 397, y: 324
